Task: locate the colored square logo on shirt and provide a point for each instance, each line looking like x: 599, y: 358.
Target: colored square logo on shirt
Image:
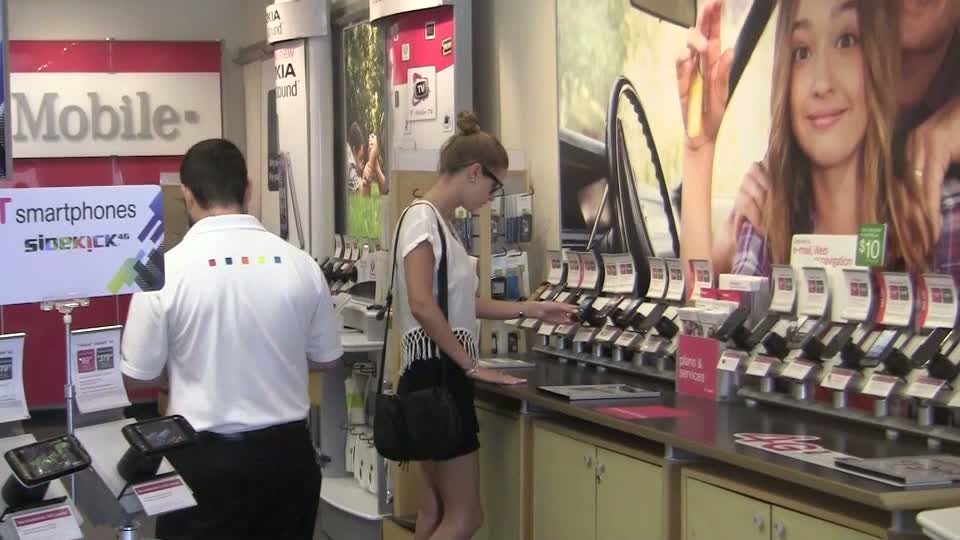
x: 276, y: 260
x: 262, y: 260
x: 245, y: 260
x: 229, y: 261
x: 212, y: 262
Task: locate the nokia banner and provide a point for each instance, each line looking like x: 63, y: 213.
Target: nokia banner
x: 83, y: 242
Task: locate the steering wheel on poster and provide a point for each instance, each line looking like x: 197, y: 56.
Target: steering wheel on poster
x: 630, y: 231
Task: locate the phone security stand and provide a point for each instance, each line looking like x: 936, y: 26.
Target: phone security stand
x: 107, y: 498
x: 55, y: 495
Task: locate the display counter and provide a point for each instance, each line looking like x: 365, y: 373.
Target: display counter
x: 549, y: 463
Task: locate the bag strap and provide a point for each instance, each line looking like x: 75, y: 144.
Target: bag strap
x: 442, y: 291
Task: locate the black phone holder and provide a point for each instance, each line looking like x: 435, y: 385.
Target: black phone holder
x: 142, y: 460
x: 18, y: 496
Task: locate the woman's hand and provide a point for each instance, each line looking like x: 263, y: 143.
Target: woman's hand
x: 551, y: 312
x: 495, y: 377
x: 751, y: 201
x: 703, y: 77
x: 931, y: 148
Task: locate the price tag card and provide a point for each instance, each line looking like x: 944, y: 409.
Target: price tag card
x: 337, y: 246
x: 654, y: 344
x: 164, y: 495
x: 601, y: 302
x: 925, y: 388
x: 838, y: 379
x: 591, y: 271
x: 798, y: 370
x: 512, y: 322
x: 658, y: 278
x: 938, y: 301
x: 816, y: 292
x: 857, y: 295
x: 13, y: 401
x: 556, y: 267
x: 676, y: 284
x: 546, y: 329
x: 880, y: 385
x: 574, y: 270
x: 565, y: 330
x: 48, y: 523
x: 607, y: 334
x: 628, y: 340
x: 761, y: 365
x: 628, y: 275
x: 611, y: 274
x: 784, y: 289
x: 731, y: 360
x: 702, y: 272
x: 562, y: 297
x: 529, y: 323
x: 896, y: 299
x: 584, y: 335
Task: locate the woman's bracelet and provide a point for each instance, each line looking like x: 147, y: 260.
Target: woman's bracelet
x: 475, y: 368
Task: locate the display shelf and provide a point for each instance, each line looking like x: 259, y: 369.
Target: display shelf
x: 941, y: 524
x: 887, y: 423
x: 621, y: 367
x: 347, y: 496
x: 354, y: 341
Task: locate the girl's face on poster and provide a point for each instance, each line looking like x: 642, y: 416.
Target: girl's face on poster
x: 828, y: 105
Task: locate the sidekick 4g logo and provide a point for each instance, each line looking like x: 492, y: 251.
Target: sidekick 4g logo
x: 65, y: 243
x: 421, y: 88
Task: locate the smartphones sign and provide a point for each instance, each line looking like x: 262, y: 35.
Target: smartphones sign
x: 83, y: 242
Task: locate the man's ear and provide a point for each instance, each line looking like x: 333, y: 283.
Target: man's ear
x: 188, y: 197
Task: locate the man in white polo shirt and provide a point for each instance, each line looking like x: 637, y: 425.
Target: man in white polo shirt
x: 241, y: 313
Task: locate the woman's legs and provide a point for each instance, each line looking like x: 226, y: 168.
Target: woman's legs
x: 458, y: 482
x: 428, y: 517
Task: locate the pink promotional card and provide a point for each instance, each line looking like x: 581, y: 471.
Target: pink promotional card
x: 644, y: 413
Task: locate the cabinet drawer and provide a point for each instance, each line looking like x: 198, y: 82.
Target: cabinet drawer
x: 712, y: 513
x: 790, y: 525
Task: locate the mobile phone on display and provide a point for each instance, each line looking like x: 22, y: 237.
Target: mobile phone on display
x: 730, y: 326
x: 802, y: 334
x: 153, y: 437
x: 882, y: 343
x: 623, y: 317
x: 39, y: 463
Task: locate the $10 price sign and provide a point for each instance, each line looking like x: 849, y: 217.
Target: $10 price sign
x: 872, y: 245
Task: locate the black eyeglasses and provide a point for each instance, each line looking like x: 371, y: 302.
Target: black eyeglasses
x: 497, y: 189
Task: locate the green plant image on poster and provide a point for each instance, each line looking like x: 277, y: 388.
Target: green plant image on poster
x: 365, y: 152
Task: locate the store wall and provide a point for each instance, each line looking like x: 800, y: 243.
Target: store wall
x: 232, y: 21
x: 515, y: 91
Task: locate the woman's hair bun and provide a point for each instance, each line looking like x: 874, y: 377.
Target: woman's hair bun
x: 468, y: 123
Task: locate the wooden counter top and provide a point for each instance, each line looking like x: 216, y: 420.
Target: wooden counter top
x: 708, y: 432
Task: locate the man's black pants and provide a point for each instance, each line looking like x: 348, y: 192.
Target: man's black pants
x: 261, y: 484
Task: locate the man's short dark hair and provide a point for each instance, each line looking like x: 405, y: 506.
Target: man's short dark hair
x: 215, y: 172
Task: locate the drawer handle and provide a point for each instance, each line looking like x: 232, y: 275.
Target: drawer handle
x: 600, y: 470
x: 588, y: 461
x: 759, y: 522
x: 779, y: 530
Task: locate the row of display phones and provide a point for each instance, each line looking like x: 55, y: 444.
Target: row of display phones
x: 35, y: 465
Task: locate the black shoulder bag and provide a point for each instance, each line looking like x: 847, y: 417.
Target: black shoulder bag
x: 419, y: 425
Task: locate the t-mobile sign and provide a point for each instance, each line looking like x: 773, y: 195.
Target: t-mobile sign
x: 112, y: 114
